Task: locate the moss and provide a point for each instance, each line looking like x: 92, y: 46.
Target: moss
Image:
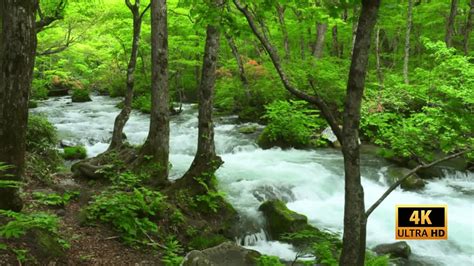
x: 201, y: 242
x: 75, y: 153
x: 80, y: 95
x: 47, y: 245
x: 248, y: 129
x: 281, y: 220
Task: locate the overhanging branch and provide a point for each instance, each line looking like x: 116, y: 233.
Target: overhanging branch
x: 413, y: 171
x: 316, y: 100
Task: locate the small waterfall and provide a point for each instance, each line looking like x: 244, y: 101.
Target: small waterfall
x: 252, y: 239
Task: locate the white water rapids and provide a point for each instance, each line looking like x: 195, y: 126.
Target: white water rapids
x: 310, y: 180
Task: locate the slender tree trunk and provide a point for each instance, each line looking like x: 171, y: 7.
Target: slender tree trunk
x: 123, y: 116
x: 407, y: 41
x: 157, y: 142
x: 379, y: 70
x: 281, y: 20
x: 468, y: 29
x: 321, y: 29
x: 450, y: 23
x: 354, y: 26
x: 335, y: 42
x: 17, y: 58
x: 240, y: 64
x: 354, y: 237
x: 206, y: 161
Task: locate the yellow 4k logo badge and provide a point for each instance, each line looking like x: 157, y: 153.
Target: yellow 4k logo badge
x: 421, y: 222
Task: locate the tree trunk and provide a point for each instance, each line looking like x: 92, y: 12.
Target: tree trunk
x: 123, y: 116
x: 335, y: 42
x: 17, y: 57
x: 354, y: 237
x: 468, y: 29
x: 379, y: 70
x: 321, y: 29
x: 407, y: 41
x: 450, y: 24
x: 240, y: 64
x: 354, y: 26
x: 281, y: 20
x: 157, y: 142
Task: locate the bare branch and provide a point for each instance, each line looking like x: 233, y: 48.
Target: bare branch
x: 413, y: 171
x: 144, y: 11
x: 48, y: 20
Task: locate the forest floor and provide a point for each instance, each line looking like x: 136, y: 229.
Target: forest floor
x: 89, y: 244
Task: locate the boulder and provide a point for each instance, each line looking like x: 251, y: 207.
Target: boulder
x: 394, y: 250
x: 80, y: 95
x: 412, y: 183
x: 281, y: 220
x: 227, y: 253
x: 249, y: 129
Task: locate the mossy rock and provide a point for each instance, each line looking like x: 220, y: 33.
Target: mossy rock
x: 80, y: 95
x: 291, y: 227
x: 265, y: 142
x: 75, y: 153
x: 248, y: 129
x: 281, y: 220
x: 412, y: 183
x: 206, y: 241
x: 45, y: 245
x: 227, y: 253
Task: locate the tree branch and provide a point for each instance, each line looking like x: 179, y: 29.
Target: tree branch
x: 316, y: 100
x: 413, y: 171
x: 55, y: 50
x: 144, y: 11
x: 47, y: 20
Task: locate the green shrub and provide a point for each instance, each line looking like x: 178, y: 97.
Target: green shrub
x: 40, y: 134
x: 290, y: 124
x: 32, y: 104
x: 173, y: 249
x: 204, y: 241
x: 75, y: 153
x: 81, y: 95
x: 142, y: 103
x: 42, y: 158
x: 128, y: 212
x: 266, y: 260
x: 54, y: 199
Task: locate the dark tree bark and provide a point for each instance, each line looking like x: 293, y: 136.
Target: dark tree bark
x: 335, y: 42
x: 48, y: 19
x: 240, y: 64
x: 355, y: 223
x: 17, y: 57
x: 124, y: 115
x: 284, y: 31
x: 354, y: 238
x: 157, y: 143
x: 407, y: 41
x: 379, y: 70
x: 321, y: 29
x: 468, y: 29
x: 450, y: 23
x: 206, y: 161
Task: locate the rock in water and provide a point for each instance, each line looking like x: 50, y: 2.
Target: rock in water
x: 395, y: 250
x: 227, y: 253
x: 281, y: 220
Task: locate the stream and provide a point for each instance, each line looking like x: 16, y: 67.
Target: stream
x: 311, y: 181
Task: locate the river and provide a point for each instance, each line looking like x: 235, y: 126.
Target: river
x: 310, y: 180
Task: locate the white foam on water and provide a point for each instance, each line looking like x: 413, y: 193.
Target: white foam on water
x: 313, y: 180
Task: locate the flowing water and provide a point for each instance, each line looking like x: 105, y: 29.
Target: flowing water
x: 310, y: 181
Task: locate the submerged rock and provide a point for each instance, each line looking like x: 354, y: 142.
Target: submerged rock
x: 395, y: 250
x: 264, y: 193
x: 248, y: 129
x: 414, y: 182
x: 227, y: 253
